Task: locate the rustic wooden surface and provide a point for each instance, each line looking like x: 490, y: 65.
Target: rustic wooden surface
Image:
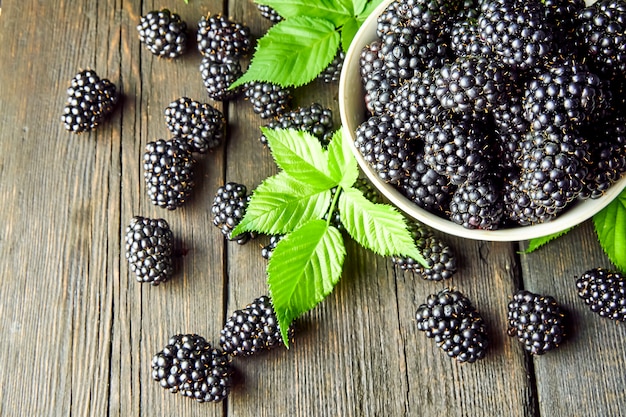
x: 78, y: 332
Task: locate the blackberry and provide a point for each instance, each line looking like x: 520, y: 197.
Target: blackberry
x: 229, y: 207
x: 200, y: 124
x: 477, y: 205
x: 465, y: 40
x: 519, y: 207
x: 220, y: 38
x: 452, y: 321
x: 517, y: 31
x: 600, y: 32
x: 537, y: 321
x: 90, y: 99
x: 440, y: 257
x: 604, y: 292
x: 267, y: 250
x: 313, y: 119
x: 332, y: 72
x: 149, y: 245
x: 429, y: 15
x: 217, y: 77
x: 426, y: 187
x: 267, y: 99
x: 379, y: 92
x: 190, y: 366
x: 252, y: 329
x: 370, y: 61
x: 163, y: 33
x: 563, y: 16
x: 385, y: 149
x: 269, y: 13
x: 168, y: 172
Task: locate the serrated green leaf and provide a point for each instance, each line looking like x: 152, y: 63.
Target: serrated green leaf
x: 304, y: 268
x: 293, y: 52
x: 342, y: 165
x: 348, y: 31
x: 536, y: 243
x: 300, y: 154
x: 377, y: 227
x: 371, y: 6
x: 332, y: 10
x: 358, y: 6
x: 610, y: 225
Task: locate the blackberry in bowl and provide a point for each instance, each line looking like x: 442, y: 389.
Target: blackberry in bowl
x: 519, y: 149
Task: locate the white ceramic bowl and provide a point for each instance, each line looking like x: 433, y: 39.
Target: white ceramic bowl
x: 352, y: 109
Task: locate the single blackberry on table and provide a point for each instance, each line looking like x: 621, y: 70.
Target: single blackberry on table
x: 537, y: 321
x: 168, y: 172
x: 385, y: 149
x: 252, y: 329
x: 332, y: 72
x: 450, y: 318
x: 267, y: 99
x: 427, y: 188
x: 269, y: 13
x: 268, y: 250
x: 149, y: 245
x: 314, y: 119
x: 217, y: 77
x: 219, y: 38
x: 440, y: 257
x: 163, y: 33
x: 517, y: 31
x: 600, y: 32
x: 229, y: 207
x: 477, y: 204
x: 200, y: 124
x: 604, y: 291
x: 90, y: 99
x: 190, y: 366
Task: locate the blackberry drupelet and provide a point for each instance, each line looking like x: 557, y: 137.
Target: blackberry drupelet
x: 440, y: 257
x: 604, y: 291
x: 450, y: 318
x: 149, y: 244
x: 163, y: 33
x: 267, y: 250
x: 229, y: 207
x: 332, y: 72
x: 427, y: 188
x: 252, y: 329
x: 314, y: 119
x: 537, y: 321
x: 267, y: 99
x: 200, y: 124
x: 168, y: 172
x: 477, y: 204
x: 220, y: 38
x: 90, y: 99
x: 217, y: 76
x: 190, y: 366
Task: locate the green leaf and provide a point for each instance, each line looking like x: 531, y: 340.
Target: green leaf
x: 348, y: 31
x: 358, y: 6
x: 371, y: 6
x: 341, y: 162
x: 293, y: 52
x: 300, y: 154
x: 536, y: 243
x: 332, y: 10
x: 280, y: 204
x: 377, y: 227
x: 304, y: 268
x: 610, y: 225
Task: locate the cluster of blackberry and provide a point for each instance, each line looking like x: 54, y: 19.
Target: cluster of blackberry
x: 496, y: 113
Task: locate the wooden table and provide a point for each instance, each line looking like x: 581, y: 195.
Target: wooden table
x: 78, y: 332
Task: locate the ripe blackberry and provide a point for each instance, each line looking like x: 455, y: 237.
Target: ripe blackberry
x: 440, y: 257
x: 370, y: 60
x: 220, y: 38
x: 429, y: 15
x: 465, y: 40
x: 267, y: 250
x: 200, y: 124
x: 427, y: 188
x: 190, y: 366
x: 149, y: 244
x: 450, y: 318
x: 600, y: 33
x: 269, y: 13
x: 229, y: 207
x: 163, y: 33
x: 168, y: 172
x: 313, y: 119
x: 267, y: 99
x: 562, y: 15
x: 379, y: 92
x: 477, y: 204
x: 332, y: 72
x: 537, y: 321
x: 385, y: 148
x: 252, y: 329
x: 604, y: 292
x: 217, y: 77
x: 90, y: 100
x: 517, y: 31
x: 519, y: 208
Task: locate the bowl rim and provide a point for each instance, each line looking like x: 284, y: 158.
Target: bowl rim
x: 350, y: 81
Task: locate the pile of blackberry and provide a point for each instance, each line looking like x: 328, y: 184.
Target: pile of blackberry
x: 488, y: 115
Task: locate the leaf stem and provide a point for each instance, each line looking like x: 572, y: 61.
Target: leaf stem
x: 333, y: 204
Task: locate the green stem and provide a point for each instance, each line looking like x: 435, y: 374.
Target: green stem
x: 333, y: 204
